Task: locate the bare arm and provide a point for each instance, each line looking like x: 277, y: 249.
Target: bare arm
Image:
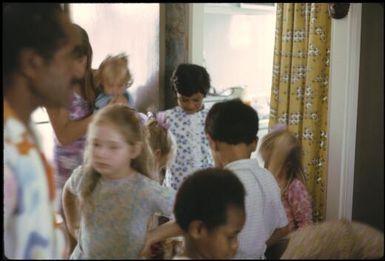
x: 277, y: 234
x: 169, y: 229
x: 66, y: 130
x: 71, y: 211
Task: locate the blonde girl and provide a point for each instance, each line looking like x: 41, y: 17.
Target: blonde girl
x: 282, y: 154
x: 161, y: 143
x: 113, y: 79
x: 109, y: 199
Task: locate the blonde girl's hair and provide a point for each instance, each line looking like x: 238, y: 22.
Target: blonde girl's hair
x: 335, y: 239
x: 127, y: 122
x: 83, y: 48
x: 160, y: 137
x: 281, y: 150
x: 114, y: 68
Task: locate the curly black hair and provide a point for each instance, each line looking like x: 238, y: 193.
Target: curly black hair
x: 30, y: 25
x: 206, y: 195
x: 232, y: 122
x: 188, y: 79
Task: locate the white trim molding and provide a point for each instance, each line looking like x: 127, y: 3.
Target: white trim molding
x: 343, y: 100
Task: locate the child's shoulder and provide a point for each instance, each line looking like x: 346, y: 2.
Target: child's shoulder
x: 173, y: 110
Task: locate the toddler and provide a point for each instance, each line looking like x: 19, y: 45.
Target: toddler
x: 191, y: 83
x: 113, y: 78
x: 282, y: 154
x: 109, y: 199
x: 210, y: 209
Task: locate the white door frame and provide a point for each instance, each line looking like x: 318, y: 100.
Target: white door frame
x: 343, y: 101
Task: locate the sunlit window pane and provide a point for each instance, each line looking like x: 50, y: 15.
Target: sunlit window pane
x: 129, y: 28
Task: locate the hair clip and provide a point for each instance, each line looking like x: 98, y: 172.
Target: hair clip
x: 161, y: 119
x: 278, y: 127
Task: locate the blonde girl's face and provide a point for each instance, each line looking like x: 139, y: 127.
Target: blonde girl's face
x: 191, y: 104
x: 111, y: 155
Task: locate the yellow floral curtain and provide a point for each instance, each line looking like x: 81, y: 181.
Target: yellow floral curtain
x: 300, y: 88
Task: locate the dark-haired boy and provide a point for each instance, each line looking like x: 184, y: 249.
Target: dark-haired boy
x: 232, y: 128
x: 210, y: 209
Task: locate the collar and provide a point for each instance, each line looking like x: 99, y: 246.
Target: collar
x: 243, y: 163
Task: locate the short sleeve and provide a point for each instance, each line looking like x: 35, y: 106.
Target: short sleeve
x: 164, y: 200
x: 73, y: 183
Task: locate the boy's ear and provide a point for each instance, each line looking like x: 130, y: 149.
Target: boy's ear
x: 196, y: 228
x: 253, y: 145
x: 30, y: 63
x: 212, y: 143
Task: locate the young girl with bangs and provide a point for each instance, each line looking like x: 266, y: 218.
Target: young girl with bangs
x: 109, y: 199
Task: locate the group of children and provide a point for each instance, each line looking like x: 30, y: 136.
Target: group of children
x: 138, y: 167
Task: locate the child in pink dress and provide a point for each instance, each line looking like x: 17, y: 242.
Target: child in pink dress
x: 282, y: 155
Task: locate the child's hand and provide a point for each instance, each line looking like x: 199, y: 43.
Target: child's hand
x: 120, y: 99
x: 148, y: 242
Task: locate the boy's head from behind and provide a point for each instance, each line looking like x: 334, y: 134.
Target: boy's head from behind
x: 191, y: 83
x: 113, y: 75
x: 209, y: 207
x: 232, y: 123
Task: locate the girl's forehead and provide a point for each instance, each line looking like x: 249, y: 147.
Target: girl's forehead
x: 106, y: 131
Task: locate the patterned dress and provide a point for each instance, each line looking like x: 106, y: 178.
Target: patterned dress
x: 116, y: 228
x: 297, y: 203
x: 193, y: 151
x: 30, y: 231
x: 68, y: 157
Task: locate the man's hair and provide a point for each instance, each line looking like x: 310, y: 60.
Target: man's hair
x: 206, y: 195
x: 188, y: 79
x: 232, y: 122
x: 30, y: 25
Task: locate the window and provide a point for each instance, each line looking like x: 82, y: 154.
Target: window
x: 237, y: 50
x: 130, y: 28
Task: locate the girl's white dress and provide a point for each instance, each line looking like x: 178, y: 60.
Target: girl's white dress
x: 193, y: 151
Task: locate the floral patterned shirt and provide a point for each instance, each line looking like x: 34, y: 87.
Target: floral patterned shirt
x: 117, y: 226
x: 193, y: 151
x: 30, y: 231
x: 297, y: 203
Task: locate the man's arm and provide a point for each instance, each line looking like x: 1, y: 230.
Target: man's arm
x: 66, y: 130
